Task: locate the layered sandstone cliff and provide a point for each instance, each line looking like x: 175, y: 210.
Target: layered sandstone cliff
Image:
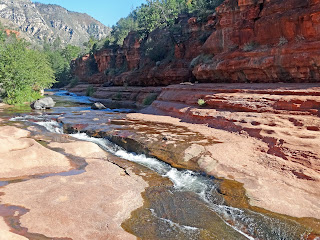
x: 249, y: 41
x: 264, y: 41
x: 160, y: 59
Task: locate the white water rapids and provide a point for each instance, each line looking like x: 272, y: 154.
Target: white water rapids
x: 185, y: 180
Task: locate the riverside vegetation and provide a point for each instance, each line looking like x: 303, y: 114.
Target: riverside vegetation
x: 25, y: 71
x: 233, y: 156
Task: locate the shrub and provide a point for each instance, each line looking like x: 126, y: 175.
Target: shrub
x: 117, y: 96
x: 159, y: 45
x: 203, y: 58
x: 23, y: 72
x: 156, y: 53
x: 150, y: 99
x: 249, y: 46
x: 20, y: 96
x: 201, y: 102
x: 282, y: 41
x: 203, y: 38
x: 74, y: 82
x: 90, y: 91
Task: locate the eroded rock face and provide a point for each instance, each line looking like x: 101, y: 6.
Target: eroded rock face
x: 250, y: 41
x: 159, y: 60
x: 263, y: 41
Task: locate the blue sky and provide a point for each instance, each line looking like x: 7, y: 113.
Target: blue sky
x: 107, y: 12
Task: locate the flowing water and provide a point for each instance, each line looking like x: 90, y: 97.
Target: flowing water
x: 190, y: 209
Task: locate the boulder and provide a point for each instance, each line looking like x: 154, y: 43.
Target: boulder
x: 43, y: 103
x: 98, y: 106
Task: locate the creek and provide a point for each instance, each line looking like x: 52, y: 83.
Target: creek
x: 191, y: 207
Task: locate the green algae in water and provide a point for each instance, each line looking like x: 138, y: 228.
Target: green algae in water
x: 170, y: 214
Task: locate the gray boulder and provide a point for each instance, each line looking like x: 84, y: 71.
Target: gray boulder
x: 98, y: 106
x: 43, y: 103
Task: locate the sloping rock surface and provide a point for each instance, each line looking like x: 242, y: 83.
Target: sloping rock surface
x: 23, y: 156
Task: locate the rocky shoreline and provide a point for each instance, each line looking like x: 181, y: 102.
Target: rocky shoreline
x: 65, y: 189
x: 262, y: 135
x: 213, y: 139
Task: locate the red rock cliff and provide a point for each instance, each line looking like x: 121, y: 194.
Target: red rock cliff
x: 160, y: 59
x: 264, y: 41
x: 250, y: 41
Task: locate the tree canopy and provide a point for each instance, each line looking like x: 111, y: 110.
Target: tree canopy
x: 158, y: 14
x: 24, y: 72
x: 59, y: 59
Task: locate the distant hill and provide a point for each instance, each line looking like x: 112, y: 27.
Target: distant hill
x: 39, y: 22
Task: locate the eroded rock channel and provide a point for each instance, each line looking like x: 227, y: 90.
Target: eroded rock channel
x: 118, y: 173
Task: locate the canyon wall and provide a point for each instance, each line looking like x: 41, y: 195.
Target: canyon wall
x: 264, y: 41
x: 160, y: 59
x: 243, y: 41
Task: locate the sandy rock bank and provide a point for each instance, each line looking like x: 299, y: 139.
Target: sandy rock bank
x: 89, y: 205
x: 23, y: 156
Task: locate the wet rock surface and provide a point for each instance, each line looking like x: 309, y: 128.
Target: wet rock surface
x: 161, y: 218
x: 269, y: 136
x: 120, y: 97
x: 43, y: 199
x: 21, y: 155
x: 164, y: 213
x: 172, y: 144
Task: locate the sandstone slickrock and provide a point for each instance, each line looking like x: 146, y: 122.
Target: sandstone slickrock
x: 43, y: 103
x: 268, y: 179
x: 119, y: 97
x: 5, y: 233
x: 262, y: 135
x: 40, y: 22
x: 91, y: 205
x: 267, y: 138
x: 23, y: 156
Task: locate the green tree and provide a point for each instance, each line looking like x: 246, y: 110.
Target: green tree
x: 2, y: 35
x: 122, y: 28
x: 23, y: 72
x: 90, y: 45
x: 57, y: 43
x: 60, y: 63
x: 158, y: 14
x: 70, y: 52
